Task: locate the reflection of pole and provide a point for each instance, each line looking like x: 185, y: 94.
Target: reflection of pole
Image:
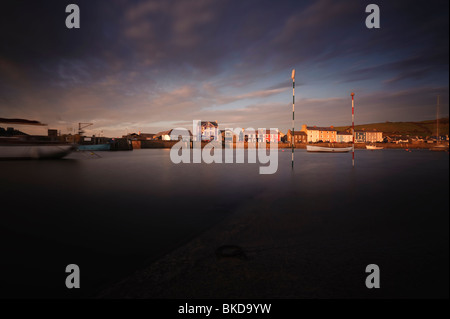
x: 293, y: 112
x: 353, y: 130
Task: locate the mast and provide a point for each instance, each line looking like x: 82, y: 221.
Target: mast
x: 353, y: 129
x: 437, y: 121
x: 293, y: 112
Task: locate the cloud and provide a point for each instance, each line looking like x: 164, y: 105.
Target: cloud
x: 155, y: 63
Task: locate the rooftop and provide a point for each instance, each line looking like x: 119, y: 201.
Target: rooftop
x: 209, y: 123
x: 318, y: 128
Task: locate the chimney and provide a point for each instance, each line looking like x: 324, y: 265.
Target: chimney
x: 304, y: 128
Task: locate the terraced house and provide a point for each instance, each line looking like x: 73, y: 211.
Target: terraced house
x: 298, y: 137
x: 344, y: 137
x: 374, y: 136
x: 320, y: 134
x: 360, y: 136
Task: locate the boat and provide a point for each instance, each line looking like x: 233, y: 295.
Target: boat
x: 15, y: 145
x: 313, y: 148
x: 440, y: 148
x: 374, y: 147
x: 11, y: 148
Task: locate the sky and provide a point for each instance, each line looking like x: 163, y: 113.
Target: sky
x: 153, y: 65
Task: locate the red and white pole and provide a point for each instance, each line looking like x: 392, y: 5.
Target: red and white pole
x: 353, y: 129
x: 293, y: 115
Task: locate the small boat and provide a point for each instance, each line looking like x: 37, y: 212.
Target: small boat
x: 374, y: 147
x: 439, y: 148
x: 313, y: 148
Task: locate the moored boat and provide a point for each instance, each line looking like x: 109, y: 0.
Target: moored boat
x: 15, y: 144
x: 439, y: 148
x: 25, y: 150
x: 313, y: 148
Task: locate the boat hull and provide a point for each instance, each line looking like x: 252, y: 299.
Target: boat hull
x: 312, y: 148
x: 439, y: 148
x: 372, y: 147
x: 35, y: 151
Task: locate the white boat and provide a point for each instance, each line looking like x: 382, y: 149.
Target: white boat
x: 34, y: 151
x: 23, y: 146
x: 313, y: 148
x: 374, y: 147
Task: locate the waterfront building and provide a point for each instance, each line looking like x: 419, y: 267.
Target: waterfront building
x: 268, y: 136
x: 344, y: 137
x: 251, y: 136
x: 209, y: 130
x: 166, y: 135
x: 374, y: 136
x: 360, y: 136
x: 298, y: 137
x: 317, y: 134
x: 261, y: 136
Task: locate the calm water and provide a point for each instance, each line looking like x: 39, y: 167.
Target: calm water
x: 115, y: 214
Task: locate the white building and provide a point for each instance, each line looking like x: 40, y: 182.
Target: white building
x: 206, y: 131
x: 344, y: 137
x: 254, y: 136
x: 316, y: 134
x: 177, y: 134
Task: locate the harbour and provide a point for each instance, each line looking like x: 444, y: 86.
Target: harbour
x: 193, y: 153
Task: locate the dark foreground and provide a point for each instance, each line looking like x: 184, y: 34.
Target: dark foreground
x: 224, y: 231
x: 313, y: 242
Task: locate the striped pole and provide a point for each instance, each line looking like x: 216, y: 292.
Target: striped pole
x: 293, y: 112
x: 437, y: 122
x: 353, y: 130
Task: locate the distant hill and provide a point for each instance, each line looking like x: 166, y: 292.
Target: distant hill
x: 423, y: 128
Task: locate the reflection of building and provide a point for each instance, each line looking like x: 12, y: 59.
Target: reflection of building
x: 317, y: 134
x: 299, y: 137
x: 344, y: 137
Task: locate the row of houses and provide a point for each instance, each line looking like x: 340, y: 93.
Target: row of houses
x: 314, y: 134
x: 209, y: 131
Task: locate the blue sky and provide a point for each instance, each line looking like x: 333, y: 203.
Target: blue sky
x: 152, y: 65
